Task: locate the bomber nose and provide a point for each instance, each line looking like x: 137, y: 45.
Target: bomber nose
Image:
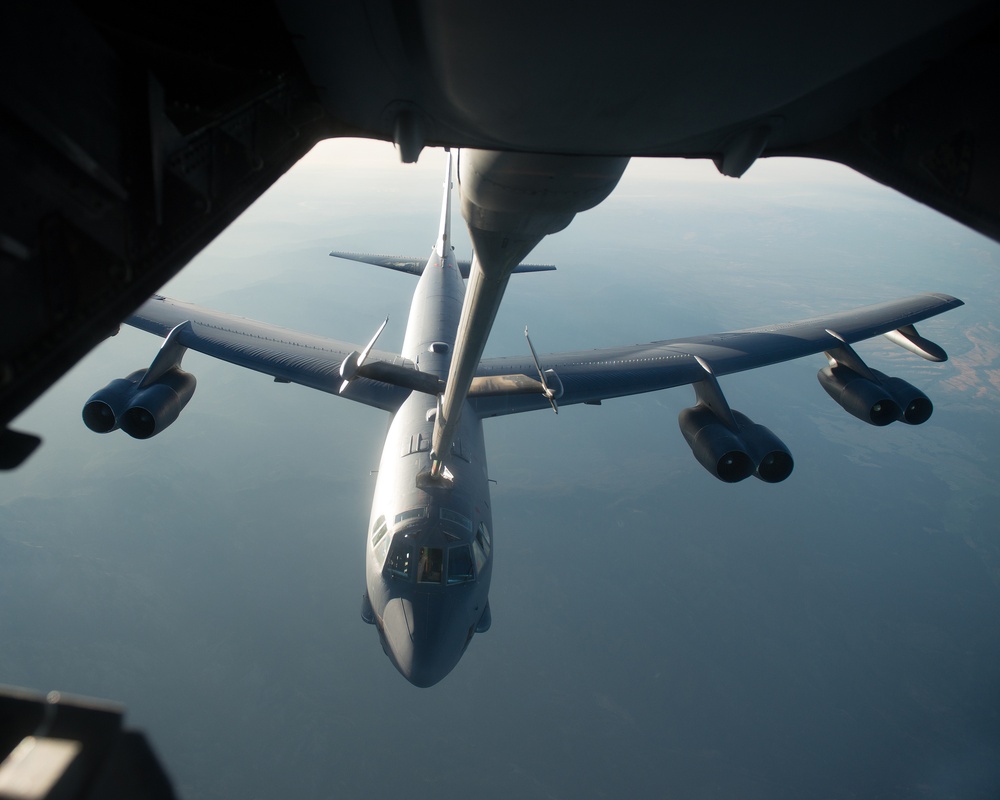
x: 416, y: 640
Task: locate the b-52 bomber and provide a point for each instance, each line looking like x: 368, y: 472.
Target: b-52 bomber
x: 430, y: 537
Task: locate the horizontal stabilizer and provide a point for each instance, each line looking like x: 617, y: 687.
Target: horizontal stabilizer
x: 415, y: 266
x: 464, y: 266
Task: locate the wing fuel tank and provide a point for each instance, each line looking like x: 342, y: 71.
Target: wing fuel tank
x: 908, y: 338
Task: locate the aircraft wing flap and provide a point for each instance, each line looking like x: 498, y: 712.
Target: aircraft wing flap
x: 493, y: 385
x: 589, y: 376
x: 287, y: 355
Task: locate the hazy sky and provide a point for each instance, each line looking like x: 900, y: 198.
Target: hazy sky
x: 654, y: 631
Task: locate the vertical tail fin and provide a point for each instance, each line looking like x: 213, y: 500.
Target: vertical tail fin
x: 443, y: 244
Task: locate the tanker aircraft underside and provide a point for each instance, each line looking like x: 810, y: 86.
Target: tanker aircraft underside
x: 429, y: 552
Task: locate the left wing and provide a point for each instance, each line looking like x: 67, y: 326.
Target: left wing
x: 590, y: 376
x: 288, y: 356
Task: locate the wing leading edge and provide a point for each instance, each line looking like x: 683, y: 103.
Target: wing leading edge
x: 510, y: 385
x: 590, y: 376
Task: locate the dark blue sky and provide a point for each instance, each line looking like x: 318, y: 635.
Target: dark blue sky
x: 654, y: 631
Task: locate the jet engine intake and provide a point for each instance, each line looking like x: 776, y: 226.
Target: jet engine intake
x: 879, y: 403
x: 732, y: 456
x: 716, y: 447
x: 155, y: 407
x: 859, y: 396
x: 915, y: 407
x: 102, y: 412
x: 774, y: 461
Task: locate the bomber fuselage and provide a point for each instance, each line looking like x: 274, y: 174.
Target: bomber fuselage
x: 428, y: 555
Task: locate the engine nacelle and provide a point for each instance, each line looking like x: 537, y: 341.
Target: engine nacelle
x: 732, y: 456
x: 859, y: 396
x: 155, y: 407
x: 716, y: 447
x: 773, y: 460
x: 915, y: 407
x: 102, y: 412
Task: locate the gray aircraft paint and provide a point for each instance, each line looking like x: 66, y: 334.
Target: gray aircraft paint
x: 228, y: 622
x: 425, y: 628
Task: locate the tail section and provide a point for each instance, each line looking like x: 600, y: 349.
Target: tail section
x: 443, y: 243
x: 415, y: 266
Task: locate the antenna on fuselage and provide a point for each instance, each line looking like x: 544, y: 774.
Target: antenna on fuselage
x: 444, y: 228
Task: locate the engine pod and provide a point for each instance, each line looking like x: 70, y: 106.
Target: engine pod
x: 772, y: 458
x: 859, y: 396
x: 158, y: 405
x: 102, y: 412
x: 716, y: 447
x: 915, y: 407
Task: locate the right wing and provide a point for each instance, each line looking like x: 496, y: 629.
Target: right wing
x: 590, y: 376
x: 288, y: 356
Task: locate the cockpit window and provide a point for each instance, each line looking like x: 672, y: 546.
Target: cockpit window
x: 429, y: 566
x: 413, y: 513
x: 482, y: 545
x: 379, y: 530
x: 458, y: 519
x: 400, y: 558
x: 460, y: 564
x: 380, y: 542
